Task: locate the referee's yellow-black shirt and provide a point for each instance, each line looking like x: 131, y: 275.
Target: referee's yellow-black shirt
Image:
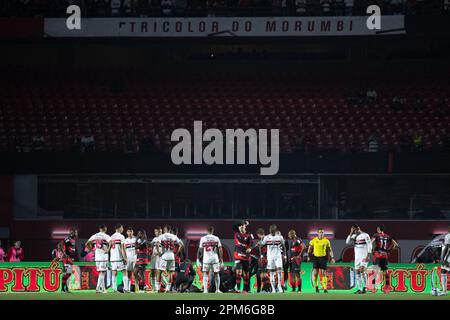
x: 320, y: 246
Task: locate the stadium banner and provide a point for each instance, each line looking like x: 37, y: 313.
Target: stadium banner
x: 209, y: 27
x: 30, y: 276
x: 47, y: 277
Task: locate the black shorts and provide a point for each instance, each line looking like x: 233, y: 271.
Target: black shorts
x: 295, y: 265
x: 262, y: 265
x: 382, y: 263
x: 243, y: 265
x: 320, y: 263
x: 140, y: 267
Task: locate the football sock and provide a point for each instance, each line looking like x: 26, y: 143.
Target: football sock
x: 358, y: 280
x: 363, y: 280
x: 174, y: 280
x: 444, y: 281
x: 299, y: 284
x: 386, y: 280
x: 258, y: 283
x: 246, y: 284
x: 280, y: 279
x: 375, y: 276
x: 65, y: 278
x: 114, y: 282
x: 238, y: 282
x: 291, y: 281
x: 100, y: 281
x: 217, y: 278
x: 272, y: 281
x: 316, y: 280
x: 324, y: 282
x: 205, y: 282
x: 153, y: 282
x: 125, y: 281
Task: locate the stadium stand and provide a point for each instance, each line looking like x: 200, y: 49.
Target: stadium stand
x: 315, y: 112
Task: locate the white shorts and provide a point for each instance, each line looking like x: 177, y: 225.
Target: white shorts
x: 101, y: 265
x: 130, y: 265
x: 166, y: 265
x: 215, y: 267
x: 361, y: 263
x: 68, y: 268
x: 154, y: 262
x: 275, y: 263
x: 117, y: 265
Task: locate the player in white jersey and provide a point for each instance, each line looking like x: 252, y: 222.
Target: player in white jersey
x: 445, y: 262
x: 102, y: 245
x: 166, y: 244
x: 275, y: 248
x: 363, y: 247
x: 210, y: 252
x: 130, y: 250
x: 117, y: 255
x: 155, y: 258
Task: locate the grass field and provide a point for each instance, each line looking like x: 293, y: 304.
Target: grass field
x: 212, y: 296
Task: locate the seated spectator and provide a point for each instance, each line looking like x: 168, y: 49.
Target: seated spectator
x: 146, y: 145
x: 116, y: 6
x: 371, y: 95
x: 338, y: 7
x: 23, y: 144
x: 76, y: 144
x: 417, y: 142
x: 87, y: 143
x: 129, y: 143
x: 442, y: 109
x: 326, y: 7
x: 211, y: 7
x: 129, y: 8
x: 373, y: 144
x: 166, y: 7
x: 300, y: 7
x: 447, y: 6
x: 284, y: 8
x: 405, y: 143
x: 180, y: 7
x: 299, y: 144
x: 398, y: 103
x: 98, y: 8
x: 349, y: 7
x: 143, y: 8
x: 37, y: 142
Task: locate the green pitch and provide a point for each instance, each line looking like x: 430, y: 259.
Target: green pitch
x: 213, y: 296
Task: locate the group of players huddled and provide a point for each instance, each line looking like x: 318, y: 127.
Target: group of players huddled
x: 270, y: 257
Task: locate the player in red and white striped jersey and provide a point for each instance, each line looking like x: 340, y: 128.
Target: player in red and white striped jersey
x: 210, y: 248
x: 118, y: 256
x: 102, y: 245
x: 167, y: 243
